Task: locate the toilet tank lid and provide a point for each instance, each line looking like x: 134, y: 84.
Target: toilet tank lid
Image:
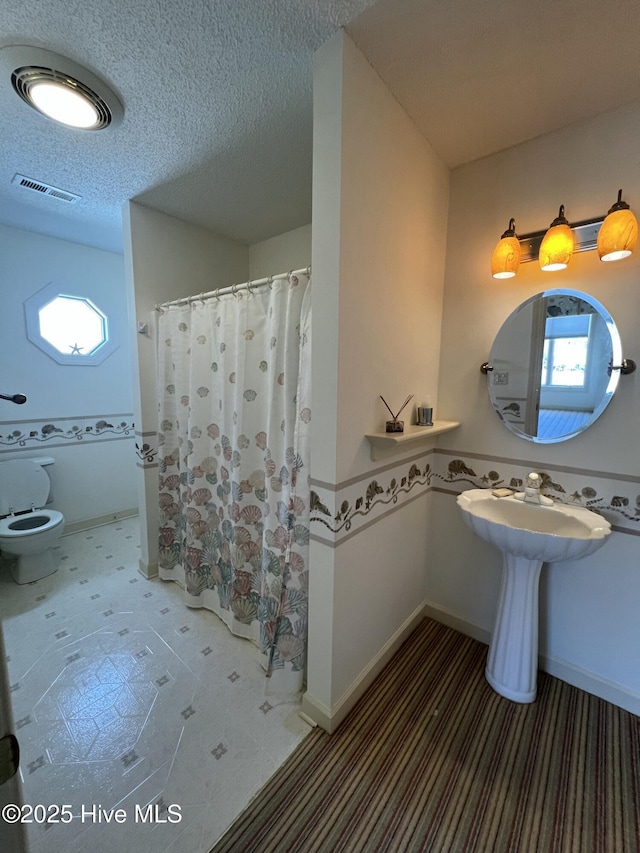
x: 23, y: 484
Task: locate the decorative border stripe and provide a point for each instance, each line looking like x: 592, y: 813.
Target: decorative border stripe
x: 348, y: 510
x: 534, y: 466
x: 373, y: 472
x: 334, y: 544
x: 615, y: 497
x: 147, y: 449
x: 62, y: 432
x: 344, y: 510
x: 145, y: 465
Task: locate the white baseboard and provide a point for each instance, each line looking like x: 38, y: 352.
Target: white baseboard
x: 445, y: 617
x: 590, y: 682
x: 98, y: 521
x: 585, y: 680
x: 317, y: 714
x: 148, y: 570
x: 330, y: 718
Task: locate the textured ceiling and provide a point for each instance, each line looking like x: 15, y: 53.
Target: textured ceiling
x: 218, y: 114
x: 218, y: 97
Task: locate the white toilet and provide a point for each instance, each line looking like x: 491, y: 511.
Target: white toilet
x: 27, y: 530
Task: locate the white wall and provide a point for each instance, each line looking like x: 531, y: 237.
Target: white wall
x: 288, y: 251
x: 581, y: 167
x: 80, y: 415
x: 165, y: 259
x: 380, y: 198
x: 590, y: 628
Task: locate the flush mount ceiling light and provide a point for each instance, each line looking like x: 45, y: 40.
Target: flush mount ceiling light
x: 60, y: 89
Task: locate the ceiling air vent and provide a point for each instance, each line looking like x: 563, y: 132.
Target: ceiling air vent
x: 45, y: 189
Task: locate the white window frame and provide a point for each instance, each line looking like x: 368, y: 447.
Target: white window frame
x: 566, y: 328
x: 43, y: 297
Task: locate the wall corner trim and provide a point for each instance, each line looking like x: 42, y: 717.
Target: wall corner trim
x: 148, y: 570
x: 446, y: 617
x: 330, y: 718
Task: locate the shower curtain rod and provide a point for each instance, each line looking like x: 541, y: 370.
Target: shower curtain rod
x: 234, y: 288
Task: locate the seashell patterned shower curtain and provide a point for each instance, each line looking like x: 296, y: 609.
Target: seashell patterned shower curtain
x: 234, y: 419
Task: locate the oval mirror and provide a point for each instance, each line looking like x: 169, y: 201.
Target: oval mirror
x: 550, y: 373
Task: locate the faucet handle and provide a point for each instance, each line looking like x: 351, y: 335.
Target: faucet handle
x: 534, y: 480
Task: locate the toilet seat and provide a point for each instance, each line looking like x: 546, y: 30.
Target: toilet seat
x: 29, y: 523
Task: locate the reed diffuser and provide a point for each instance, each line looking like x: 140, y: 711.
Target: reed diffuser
x: 394, y: 425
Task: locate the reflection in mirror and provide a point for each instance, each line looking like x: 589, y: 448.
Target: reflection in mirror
x: 551, y: 362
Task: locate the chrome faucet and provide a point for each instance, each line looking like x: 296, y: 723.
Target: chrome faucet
x: 531, y: 494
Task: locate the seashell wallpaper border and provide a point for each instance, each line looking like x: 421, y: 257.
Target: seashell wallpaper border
x: 341, y: 512
x: 147, y: 449
x: 63, y: 432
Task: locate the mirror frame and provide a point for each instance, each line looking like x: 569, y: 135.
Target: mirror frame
x: 497, y: 359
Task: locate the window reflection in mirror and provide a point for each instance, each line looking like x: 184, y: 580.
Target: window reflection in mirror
x: 564, y: 357
x: 551, y: 362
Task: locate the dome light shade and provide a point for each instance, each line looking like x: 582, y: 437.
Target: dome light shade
x: 506, y: 255
x: 64, y: 103
x: 618, y: 233
x: 59, y: 88
x: 557, y: 245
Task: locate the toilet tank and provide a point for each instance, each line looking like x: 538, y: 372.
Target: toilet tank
x: 24, y: 483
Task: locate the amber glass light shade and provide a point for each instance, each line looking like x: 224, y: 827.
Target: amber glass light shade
x: 618, y: 233
x: 557, y: 245
x: 506, y: 255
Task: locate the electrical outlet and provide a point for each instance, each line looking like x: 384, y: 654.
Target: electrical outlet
x: 500, y: 378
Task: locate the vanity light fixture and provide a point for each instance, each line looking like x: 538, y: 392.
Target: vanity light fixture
x: 506, y: 255
x: 618, y: 233
x: 557, y: 246
x: 59, y: 88
x: 614, y: 236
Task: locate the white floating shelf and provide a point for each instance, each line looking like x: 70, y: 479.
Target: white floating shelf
x: 385, y: 444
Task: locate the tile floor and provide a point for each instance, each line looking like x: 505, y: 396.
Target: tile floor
x: 125, y: 698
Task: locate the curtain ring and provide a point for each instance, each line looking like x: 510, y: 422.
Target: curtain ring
x: 217, y: 294
x: 290, y: 273
x: 250, y: 286
x: 270, y: 282
x: 234, y: 290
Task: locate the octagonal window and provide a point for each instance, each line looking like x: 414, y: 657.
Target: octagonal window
x: 69, y: 328
x: 73, y: 325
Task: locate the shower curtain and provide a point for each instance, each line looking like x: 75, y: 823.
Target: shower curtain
x: 234, y: 415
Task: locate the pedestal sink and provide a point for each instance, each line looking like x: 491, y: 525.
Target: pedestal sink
x: 528, y: 534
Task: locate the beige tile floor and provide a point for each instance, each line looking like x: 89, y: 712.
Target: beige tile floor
x: 124, y: 698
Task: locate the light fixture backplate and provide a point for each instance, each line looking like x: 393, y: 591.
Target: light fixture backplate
x: 585, y: 235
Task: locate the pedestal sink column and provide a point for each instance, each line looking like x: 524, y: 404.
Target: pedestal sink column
x: 512, y: 665
x: 522, y: 530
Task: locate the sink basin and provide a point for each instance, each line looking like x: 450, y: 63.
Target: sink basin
x: 547, y: 533
x: 529, y: 535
